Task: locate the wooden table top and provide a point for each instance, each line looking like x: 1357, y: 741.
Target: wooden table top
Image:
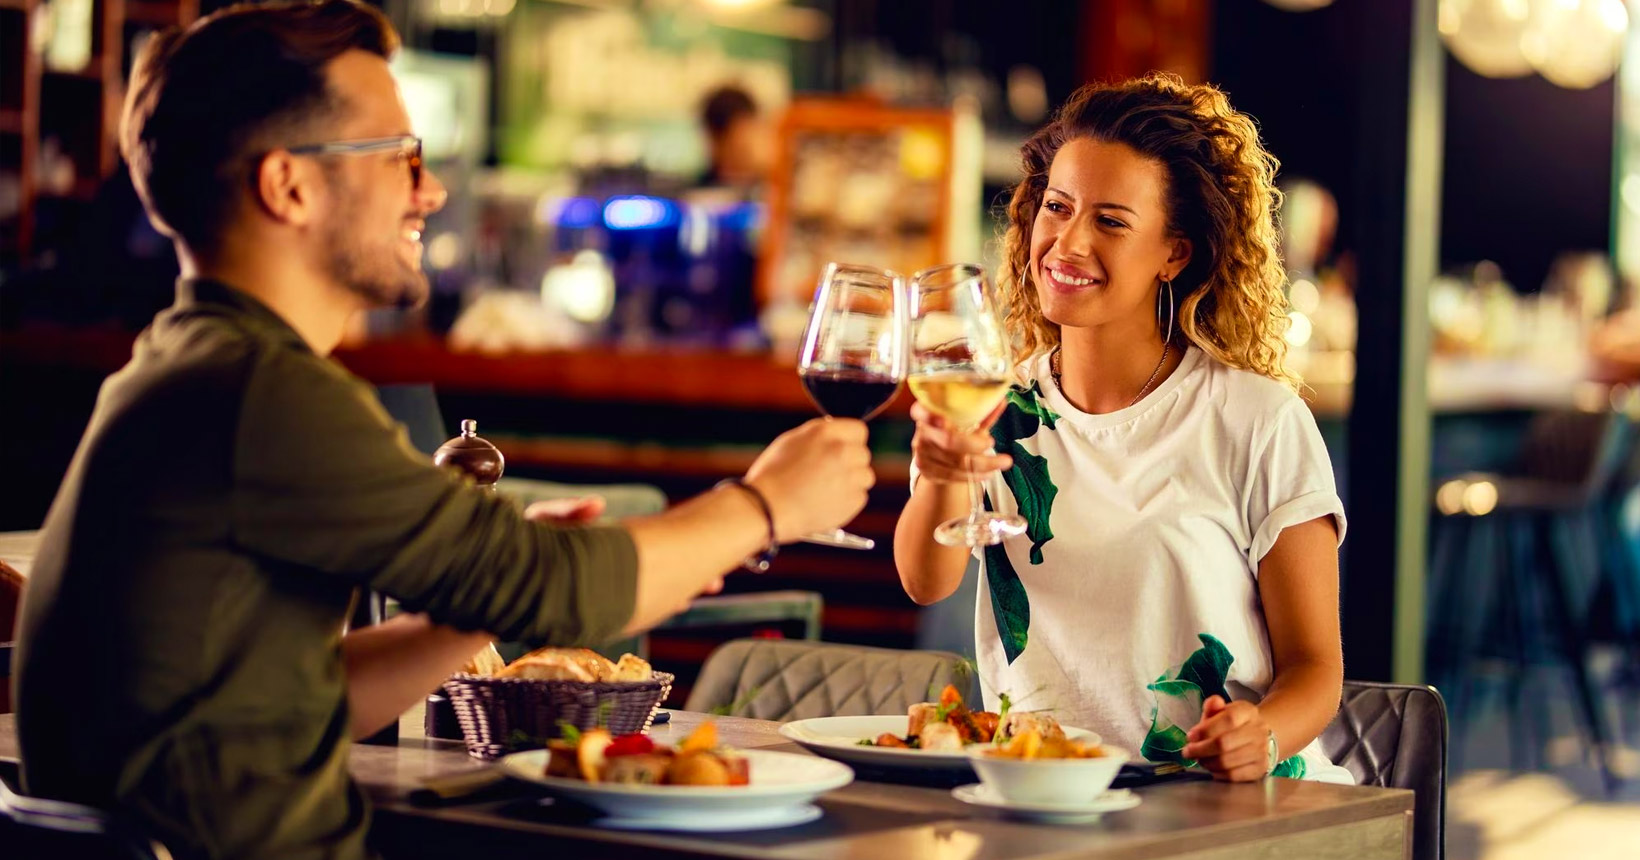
x: 864, y: 819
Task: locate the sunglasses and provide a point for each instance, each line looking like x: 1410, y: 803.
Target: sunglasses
x: 408, y: 146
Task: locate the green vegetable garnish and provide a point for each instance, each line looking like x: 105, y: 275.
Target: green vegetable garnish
x: 1002, y: 715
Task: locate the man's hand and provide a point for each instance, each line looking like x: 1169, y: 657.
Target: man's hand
x: 814, y: 477
x: 1231, y: 741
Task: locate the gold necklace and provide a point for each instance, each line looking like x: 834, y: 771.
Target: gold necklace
x: 1054, y: 363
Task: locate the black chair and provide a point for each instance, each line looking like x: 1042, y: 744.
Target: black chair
x: 1394, y: 736
x: 1516, y: 564
x: 32, y: 828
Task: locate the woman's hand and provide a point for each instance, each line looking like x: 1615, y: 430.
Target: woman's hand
x: 579, y: 510
x: 946, y: 455
x: 1231, y: 741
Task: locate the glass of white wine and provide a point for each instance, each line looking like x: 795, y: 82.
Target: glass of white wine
x: 959, y: 366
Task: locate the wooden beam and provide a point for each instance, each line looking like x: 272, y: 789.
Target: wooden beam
x: 1401, y: 105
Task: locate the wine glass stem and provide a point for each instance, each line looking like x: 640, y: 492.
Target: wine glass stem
x: 976, y: 498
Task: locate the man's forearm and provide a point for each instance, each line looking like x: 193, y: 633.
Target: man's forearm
x: 393, y: 665
x: 685, y: 550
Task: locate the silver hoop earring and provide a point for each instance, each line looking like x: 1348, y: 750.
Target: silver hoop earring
x: 1166, y: 332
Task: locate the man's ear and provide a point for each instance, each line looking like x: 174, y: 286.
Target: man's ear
x: 285, y: 188
x: 1178, y: 259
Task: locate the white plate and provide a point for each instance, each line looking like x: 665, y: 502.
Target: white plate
x: 839, y: 738
x: 780, y: 782
x: 719, y: 822
x: 1114, y: 800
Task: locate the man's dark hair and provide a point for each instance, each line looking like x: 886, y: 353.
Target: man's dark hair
x: 723, y: 106
x: 204, y: 102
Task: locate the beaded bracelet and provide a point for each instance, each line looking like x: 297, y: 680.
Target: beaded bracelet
x: 756, y: 563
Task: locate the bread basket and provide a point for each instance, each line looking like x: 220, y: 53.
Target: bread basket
x: 505, y: 715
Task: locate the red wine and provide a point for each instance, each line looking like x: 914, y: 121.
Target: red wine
x: 849, y: 393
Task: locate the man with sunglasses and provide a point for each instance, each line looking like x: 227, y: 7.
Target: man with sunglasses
x: 181, y: 655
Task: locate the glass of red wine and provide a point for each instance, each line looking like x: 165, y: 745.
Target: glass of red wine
x: 853, y: 356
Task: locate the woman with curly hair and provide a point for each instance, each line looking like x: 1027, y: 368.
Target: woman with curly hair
x: 1177, y: 588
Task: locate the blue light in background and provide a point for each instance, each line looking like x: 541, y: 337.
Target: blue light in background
x: 577, y: 213
x: 743, y: 217
x: 639, y: 213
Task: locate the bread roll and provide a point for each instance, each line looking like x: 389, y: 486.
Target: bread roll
x: 486, y: 662
x: 561, y: 664
x: 632, y: 668
x: 546, y: 668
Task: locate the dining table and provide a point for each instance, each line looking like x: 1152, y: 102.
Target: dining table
x: 868, y: 819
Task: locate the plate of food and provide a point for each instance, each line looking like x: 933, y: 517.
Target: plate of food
x: 700, y: 785
x: 930, y: 736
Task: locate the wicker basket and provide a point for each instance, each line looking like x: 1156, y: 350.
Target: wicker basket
x: 504, y: 715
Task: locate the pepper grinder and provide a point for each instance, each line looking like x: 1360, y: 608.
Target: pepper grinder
x: 473, y: 455
x: 476, y: 457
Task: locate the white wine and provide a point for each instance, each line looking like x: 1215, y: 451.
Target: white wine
x: 961, y: 396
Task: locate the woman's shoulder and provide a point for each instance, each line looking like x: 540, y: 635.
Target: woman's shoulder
x: 1252, y: 397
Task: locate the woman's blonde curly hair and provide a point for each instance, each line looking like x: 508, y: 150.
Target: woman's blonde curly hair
x: 1220, y: 194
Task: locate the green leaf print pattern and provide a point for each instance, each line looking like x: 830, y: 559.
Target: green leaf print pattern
x: 1034, y: 491
x: 1029, y: 402
x: 1292, y: 768
x: 1009, y: 604
x: 1178, y: 697
x: 1207, y: 668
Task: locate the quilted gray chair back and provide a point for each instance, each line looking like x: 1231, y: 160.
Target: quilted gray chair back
x: 780, y: 679
x: 1394, y: 736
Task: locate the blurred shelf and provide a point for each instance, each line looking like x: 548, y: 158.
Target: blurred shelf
x: 11, y: 121
x: 92, y: 72
x: 671, y: 376
x: 661, y: 461
x: 19, y: 5
x: 662, y: 376
x: 158, y: 13
x: 82, y: 190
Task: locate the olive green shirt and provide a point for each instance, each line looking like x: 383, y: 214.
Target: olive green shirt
x: 179, y: 656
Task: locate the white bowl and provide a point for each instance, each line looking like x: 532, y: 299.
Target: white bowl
x: 1047, y: 780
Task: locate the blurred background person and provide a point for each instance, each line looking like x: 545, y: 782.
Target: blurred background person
x: 739, y: 140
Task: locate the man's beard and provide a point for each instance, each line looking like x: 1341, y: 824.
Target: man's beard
x: 376, y: 272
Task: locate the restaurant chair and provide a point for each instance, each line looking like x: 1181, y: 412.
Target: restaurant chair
x: 780, y: 679
x: 800, y: 609
x: 33, y: 828
x: 1515, y: 564
x: 1395, y: 736
x: 11, y: 597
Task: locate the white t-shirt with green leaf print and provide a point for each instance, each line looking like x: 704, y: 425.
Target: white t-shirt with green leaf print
x: 1134, y: 595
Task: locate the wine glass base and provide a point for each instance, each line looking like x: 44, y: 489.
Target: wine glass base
x: 985, y: 531
x: 840, y: 539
